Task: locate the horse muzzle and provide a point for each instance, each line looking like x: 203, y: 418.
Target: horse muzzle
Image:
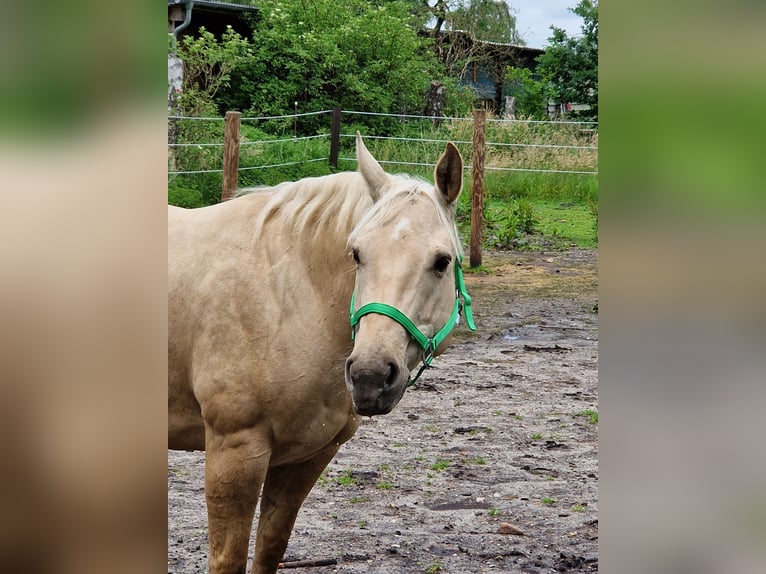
x: 376, y: 384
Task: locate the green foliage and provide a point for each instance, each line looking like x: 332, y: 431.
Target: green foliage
x: 185, y: 197
x: 530, y: 101
x: 569, y: 66
x: 489, y: 20
x: 507, y: 223
x: 208, y: 64
x: 321, y: 54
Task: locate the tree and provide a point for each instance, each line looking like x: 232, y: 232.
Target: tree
x: 528, y: 92
x: 569, y: 66
x: 208, y: 63
x: 488, y: 20
x: 322, y: 53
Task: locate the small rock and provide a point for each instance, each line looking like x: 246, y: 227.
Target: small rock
x: 508, y: 528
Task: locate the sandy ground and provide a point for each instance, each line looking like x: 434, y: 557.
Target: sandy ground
x: 494, y: 433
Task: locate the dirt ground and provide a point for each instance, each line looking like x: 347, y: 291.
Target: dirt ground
x: 493, y: 433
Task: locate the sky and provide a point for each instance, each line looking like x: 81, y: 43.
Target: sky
x: 534, y: 18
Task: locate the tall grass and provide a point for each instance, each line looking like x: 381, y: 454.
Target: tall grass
x: 408, y: 141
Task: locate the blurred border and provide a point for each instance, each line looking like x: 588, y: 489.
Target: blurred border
x: 682, y: 280
x: 83, y: 307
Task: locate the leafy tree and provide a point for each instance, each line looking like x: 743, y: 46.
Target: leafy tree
x: 322, y: 53
x: 529, y: 93
x: 208, y: 64
x: 569, y: 66
x: 489, y: 20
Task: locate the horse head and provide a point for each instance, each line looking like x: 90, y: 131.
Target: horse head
x: 407, y: 256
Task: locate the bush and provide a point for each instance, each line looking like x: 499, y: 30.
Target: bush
x: 185, y: 197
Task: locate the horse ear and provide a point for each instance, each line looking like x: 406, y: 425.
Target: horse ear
x: 370, y: 169
x: 448, y: 174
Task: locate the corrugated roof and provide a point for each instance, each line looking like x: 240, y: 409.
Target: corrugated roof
x: 223, y: 6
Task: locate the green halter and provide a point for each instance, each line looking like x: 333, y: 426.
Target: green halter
x: 428, y: 346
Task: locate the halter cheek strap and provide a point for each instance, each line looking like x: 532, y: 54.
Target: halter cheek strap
x: 427, y: 345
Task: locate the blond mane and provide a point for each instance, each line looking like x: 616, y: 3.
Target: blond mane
x: 341, y: 204
x: 316, y: 205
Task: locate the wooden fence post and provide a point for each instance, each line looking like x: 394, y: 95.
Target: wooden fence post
x: 477, y: 190
x: 335, y: 138
x: 230, y: 155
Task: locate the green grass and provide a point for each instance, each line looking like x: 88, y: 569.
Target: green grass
x: 564, y: 205
x: 345, y: 479
x: 547, y: 501
x: 567, y: 223
x: 536, y: 436
x: 440, y: 464
x: 590, y: 414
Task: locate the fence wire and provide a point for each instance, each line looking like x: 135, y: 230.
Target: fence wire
x: 392, y: 138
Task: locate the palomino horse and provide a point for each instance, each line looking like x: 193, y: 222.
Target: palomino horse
x: 262, y: 373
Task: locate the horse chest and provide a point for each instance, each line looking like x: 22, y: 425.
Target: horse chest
x: 300, y: 437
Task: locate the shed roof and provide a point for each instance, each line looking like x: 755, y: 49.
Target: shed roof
x: 218, y: 6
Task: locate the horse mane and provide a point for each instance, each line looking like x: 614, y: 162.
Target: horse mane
x: 316, y: 205
x: 341, y: 204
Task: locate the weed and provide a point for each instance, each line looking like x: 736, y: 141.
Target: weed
x: 536, y: 436
x: 578, y: 508
x: 434, y: 567
x: 497, y: 413
x: 431, y: 428
x: 385, y: 485
x: 493, y: 512
x: 440, y: 464
x: 479, y: 460
x: 362, y: 524
x: 384, y: 467
x: 548, y: 501
x: 358, y: 499
x: 345, y: 478
x: 591, y: 414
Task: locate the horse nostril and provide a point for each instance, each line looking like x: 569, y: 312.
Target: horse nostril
x: 393, y: 374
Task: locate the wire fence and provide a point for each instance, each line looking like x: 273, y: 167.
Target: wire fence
x: 514, y: 145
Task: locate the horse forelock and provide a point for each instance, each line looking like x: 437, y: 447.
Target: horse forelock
x: 396, y: 198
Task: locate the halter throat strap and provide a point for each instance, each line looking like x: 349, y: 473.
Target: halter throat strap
x: 427, y: 345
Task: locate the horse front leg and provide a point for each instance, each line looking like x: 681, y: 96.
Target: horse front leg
x: 235, y: 468
x: 285, y: 490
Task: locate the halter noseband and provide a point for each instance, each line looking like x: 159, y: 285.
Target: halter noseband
x: 428, y: 346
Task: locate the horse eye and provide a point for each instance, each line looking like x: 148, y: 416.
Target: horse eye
x: 356, y: 255
x: 441, y: 264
